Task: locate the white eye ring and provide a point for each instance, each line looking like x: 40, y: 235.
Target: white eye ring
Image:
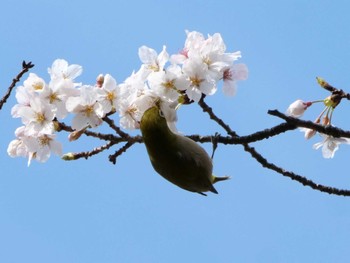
x: 161, y: 114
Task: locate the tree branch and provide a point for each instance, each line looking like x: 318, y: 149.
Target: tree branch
x: 115, y: 127
x: 263, y: 161
x: 25, y: 68
x: 254, y: 137
x: 124, y: 148
x: 329, y: 130
x: 303, y: 180
x: 88, y: 154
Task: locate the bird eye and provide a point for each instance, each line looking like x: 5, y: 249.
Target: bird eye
x: 161, y: 114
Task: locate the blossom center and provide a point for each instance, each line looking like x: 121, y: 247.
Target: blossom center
x: 89, y: 110
x: 227, y: 74
x: 184, y: 52
x: 154, y: 67
x: 169, y: 84
x: 40, y: 117
x: 131, y: 110
x: 110, y: 96
x: 44, y: 140
x: 207, y: 61
x: 53, y: 97
x: 38, y: 86
x: 196, y: 81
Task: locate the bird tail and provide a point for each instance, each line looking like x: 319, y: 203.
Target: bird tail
x: 218, y: 179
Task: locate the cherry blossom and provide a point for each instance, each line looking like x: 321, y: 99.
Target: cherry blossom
x: 330, y: 145
x: 37, y: 117
x: 152, y: 62
x: 165, y: 84
x: 231, y: 76
x: 167, y: 80
x: 40, y: 147
x: 107, y: 96
x: 60, y: 69
x: 200, y: 82
x: 84, y: 107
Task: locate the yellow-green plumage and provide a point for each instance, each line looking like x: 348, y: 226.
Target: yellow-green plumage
x: 177, y: 158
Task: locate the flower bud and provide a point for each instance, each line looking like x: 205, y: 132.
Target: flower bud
x: 321, y: 82
x: 68, y: 157
x: 73, y: 136
x: 297, y: 108
x: 309, y: 133
x: 326, y: 121
x: 99, y: 80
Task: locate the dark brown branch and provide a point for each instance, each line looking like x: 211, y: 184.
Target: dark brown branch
x: 206, y: 108
x: 123, y: 149
x: 271, y: 166
x: 304, y: 181
x: 112, y: 140
x: 88, y: 154
x: 329, y: 130
x: 115, y: 127
x: 107, y: 137
x: 25, y: 68
x: 254, y: 137
x: 267, y: 133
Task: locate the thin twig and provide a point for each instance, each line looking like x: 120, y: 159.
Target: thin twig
x: 296, y: 177
x: 111, y: 124
x: 106, y: 137
x: 88, y: 154
x: 124, y: 148
x: 206, y: 108
x: 25, y: 69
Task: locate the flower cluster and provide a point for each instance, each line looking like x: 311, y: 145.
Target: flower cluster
x: 174, y: 79
x: 329, y: 143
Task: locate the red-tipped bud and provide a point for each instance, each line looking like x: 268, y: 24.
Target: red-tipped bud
x: 99, y: 80
x: 297, y: 108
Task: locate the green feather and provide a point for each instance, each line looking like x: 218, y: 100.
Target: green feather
x: 177, y: 158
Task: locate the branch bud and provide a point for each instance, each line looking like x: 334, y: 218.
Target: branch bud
x: 68, y: 157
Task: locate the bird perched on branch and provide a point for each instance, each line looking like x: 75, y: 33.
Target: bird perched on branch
x: 177, y: 158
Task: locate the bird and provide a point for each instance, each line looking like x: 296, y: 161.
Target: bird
x: 175, y: 157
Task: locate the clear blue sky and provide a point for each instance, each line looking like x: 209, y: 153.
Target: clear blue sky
x: 93, y: 211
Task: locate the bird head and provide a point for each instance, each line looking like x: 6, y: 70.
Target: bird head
x: 154, y: 118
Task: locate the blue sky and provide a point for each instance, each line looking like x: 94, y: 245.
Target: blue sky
x: 93, y: 211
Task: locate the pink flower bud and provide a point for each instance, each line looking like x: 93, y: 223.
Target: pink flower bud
x: 309, y: 133
x: 99, y: 80
x: 297, y: 108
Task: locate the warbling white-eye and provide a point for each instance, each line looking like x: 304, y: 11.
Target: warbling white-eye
x: 177, y: 158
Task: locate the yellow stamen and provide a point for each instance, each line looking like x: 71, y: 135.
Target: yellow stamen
x: 38, y: 86
x: 196, y: 81
x: 53, y: 97
x: 44, y: 140
x: 110, y: 96
x: 207, y: 61
x: 153, y: 67
x: 40, y: 117
x: 89, y: 110
x: 169, y: 84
